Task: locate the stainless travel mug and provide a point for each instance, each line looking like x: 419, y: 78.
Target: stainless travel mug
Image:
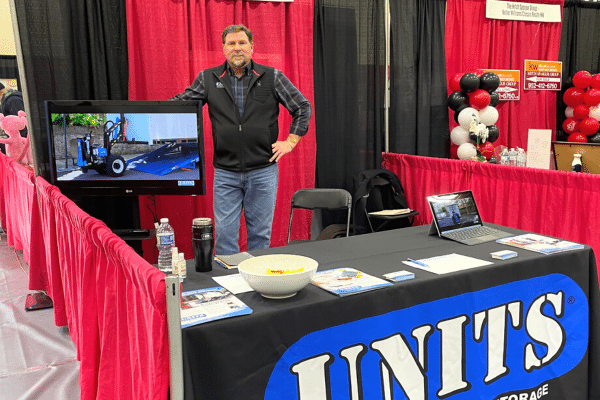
x: 203, y: 243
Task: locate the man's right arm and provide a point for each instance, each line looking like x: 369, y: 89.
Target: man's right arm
x: 193, y: 92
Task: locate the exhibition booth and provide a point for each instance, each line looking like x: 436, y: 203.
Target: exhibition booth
x: 431, y: 336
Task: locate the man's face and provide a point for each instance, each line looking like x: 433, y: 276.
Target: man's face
x: 238, y: 49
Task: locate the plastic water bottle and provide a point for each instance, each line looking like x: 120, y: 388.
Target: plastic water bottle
x: 521, y: 157
x: 174, y: 260
x: 512, y: 157
x: 504, y: 157
x: 165, y: 239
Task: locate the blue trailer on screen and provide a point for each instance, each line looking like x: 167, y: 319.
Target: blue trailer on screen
x: 167, y: 158
x: 513, y: 338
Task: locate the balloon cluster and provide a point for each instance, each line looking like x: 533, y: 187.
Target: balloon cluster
x: 583, y: 108
x: 473, y: 100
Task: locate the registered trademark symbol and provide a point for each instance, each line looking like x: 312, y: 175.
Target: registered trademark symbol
x: 571, y: 300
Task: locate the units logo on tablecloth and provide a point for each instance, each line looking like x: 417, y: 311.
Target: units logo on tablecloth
x: 512, y: 338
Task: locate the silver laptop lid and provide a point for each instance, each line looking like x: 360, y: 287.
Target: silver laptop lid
x: 452, y: 211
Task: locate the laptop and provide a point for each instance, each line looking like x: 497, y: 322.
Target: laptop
x: 455, y: 217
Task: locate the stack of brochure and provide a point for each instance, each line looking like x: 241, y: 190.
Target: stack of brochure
x: 347, y: 281
x: 204, y: 305
x: 539, y: 243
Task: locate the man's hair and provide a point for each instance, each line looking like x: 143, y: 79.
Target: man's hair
x: 1, y: 86
x: 236, y: 29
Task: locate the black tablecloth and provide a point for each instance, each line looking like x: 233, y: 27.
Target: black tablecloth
x: 424, y: 338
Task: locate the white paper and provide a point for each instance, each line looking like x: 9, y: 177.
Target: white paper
x: 234, y: 283
x: 448, y: 263
x: 538, y: 148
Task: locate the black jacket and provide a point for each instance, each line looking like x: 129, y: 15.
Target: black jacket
x: 385, y: 192
x: 242, y: 143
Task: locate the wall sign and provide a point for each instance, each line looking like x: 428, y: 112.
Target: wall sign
x: 542, y: 75
x: 521, y: 11
x: 510, y: 83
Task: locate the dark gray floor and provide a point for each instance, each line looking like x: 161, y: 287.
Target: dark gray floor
x: 37, y: 359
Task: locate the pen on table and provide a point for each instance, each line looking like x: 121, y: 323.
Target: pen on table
x: 422, y: 264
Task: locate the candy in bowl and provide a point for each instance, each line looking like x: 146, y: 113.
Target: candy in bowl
x: 278, y: 276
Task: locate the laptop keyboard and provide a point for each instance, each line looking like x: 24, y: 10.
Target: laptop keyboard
x: 476, y: 235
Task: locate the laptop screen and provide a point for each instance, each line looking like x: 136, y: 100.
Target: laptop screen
x: 454, y: 211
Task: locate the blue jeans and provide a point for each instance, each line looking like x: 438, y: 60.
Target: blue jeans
x: 254, y: 191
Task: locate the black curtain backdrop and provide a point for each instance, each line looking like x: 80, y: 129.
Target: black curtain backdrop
x: 419, y: 112
x: 75, y: 50
x: 72, y: 49
x: 579, y: 48
x: 349, y: 60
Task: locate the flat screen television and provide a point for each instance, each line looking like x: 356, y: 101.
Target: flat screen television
x: 106, y: 147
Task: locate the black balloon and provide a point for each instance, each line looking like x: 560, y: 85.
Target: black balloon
x: 457, y: 111
x: 493, y: 133
x: 489, y: 81
x: 469, y: 82
x: 595, y: 138
x: 494, y: 99
x: 457, y: 99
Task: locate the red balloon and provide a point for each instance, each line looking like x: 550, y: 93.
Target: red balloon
x: 479, y: 99
x: 570, y: 125
x: 596, y: 81
x: 455, y: 83
x: 573, y: 96
x: 581, y: 111
x: 591, y: 97
x: 589, y: 126
x: 577, y: 137
x: 487, y: 150
x: 582, y: 79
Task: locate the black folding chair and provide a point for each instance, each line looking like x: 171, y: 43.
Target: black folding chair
x: 323, y: 199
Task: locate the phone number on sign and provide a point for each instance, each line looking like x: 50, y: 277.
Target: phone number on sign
x: 533, y: 85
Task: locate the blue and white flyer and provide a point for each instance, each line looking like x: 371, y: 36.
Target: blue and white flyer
x: 204, y: 305
x: 346, y: 281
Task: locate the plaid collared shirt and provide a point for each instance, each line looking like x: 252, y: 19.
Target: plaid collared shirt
x: 239, y: 86
x: 288, y: 95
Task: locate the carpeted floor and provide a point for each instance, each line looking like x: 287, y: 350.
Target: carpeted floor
x: 37, y: 359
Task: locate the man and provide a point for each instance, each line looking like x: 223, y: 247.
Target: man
x: 243, y: 100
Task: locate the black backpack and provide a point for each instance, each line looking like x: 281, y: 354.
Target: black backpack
x: 375, y: 190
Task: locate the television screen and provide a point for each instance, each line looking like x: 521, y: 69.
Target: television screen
x: 105, y: 147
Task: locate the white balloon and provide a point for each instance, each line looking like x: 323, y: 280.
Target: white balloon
x: 466, y: 151
x: 569, y: 112
x: 466, y: 116
x: 459, y: 135
x: 488, y: 116
x: 595, y: 112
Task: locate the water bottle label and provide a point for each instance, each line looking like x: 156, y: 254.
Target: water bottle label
x: 165, y: 238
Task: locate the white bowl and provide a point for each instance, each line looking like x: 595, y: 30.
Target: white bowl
x: 254, y: 271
